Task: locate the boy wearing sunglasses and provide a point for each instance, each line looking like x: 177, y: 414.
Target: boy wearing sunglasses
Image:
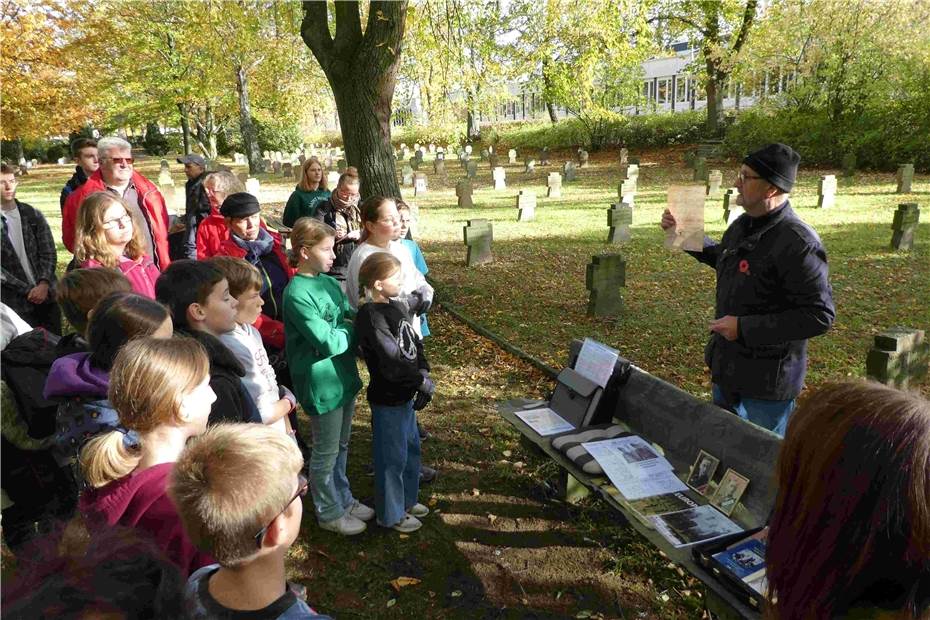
x: 238, y: 489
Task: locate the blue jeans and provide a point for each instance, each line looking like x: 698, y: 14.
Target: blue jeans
x: 770, y: 414
x: 396, y: 445
x: 329, y: 485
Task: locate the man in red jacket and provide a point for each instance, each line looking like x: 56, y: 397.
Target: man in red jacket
x: 117, y: 175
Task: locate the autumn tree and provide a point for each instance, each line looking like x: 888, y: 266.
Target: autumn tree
x: 361, y: 66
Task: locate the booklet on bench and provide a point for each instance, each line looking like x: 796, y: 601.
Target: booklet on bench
x: 544, y: 421
x: 694, y: 525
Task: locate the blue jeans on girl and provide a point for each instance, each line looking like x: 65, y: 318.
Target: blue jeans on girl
x: 329, y: 485
x: 396, y: 446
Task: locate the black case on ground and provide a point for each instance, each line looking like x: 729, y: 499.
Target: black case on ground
x: 703, y: 555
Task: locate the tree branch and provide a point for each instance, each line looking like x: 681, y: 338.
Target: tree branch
x: 680, y: 18
x: 748, y: 16
x: 314, y: 30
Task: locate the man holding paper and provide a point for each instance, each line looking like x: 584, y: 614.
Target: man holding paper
x: 773, y: 293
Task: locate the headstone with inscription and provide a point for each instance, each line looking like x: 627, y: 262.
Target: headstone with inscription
x: 529, y: 165
x: 554, y: 185
x: 604, y: 277
x: 714, y: 181
x: 905, y: 178
x: 904, y: 226
x: 619, y: 219
x: 500, y: 178
x: 526, y: 206
x: 471, y: 169
x: 512, y: 156
x: 419, y: 184
x: 463, y: 191
x: 898, y: 356
x: 826, y: 191
x: 478, y: 237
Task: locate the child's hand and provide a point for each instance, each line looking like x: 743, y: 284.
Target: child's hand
x: 424, y: 393
x: 285, y: 393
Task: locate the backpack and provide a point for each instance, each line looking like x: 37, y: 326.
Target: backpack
x: 25, y: 366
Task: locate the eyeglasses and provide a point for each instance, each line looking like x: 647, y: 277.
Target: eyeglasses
x: 742, y: 176
x: 121, y: 160
x: 302, y: 485
x: 121, y: 221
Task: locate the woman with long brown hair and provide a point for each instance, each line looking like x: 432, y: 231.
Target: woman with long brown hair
x: 850, y: 534
x: 309, y: 193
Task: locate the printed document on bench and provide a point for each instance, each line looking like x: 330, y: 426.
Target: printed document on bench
x: 596, y: 361
x: 544, y: 421
x: 634, y: 467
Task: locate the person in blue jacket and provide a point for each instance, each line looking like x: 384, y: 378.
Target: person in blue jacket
x: 773, y: 294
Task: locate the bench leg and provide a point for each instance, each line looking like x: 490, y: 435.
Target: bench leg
x: 570, y: 489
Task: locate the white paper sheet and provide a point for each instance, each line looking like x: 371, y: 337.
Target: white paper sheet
x: 695, y: 525
x: 633, y: 473
x: 686, y: 203
x: 544, y: 421
x: 596, y: 361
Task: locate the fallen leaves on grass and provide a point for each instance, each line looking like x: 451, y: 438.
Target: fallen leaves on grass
x: 403, y: 582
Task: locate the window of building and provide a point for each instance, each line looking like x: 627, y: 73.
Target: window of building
x: 664, y: 87
x: 681, y: 89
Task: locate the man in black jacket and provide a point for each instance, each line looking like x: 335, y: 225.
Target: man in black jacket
x: 773, y: 293
x: 196, y: 203
x: 84, y: 152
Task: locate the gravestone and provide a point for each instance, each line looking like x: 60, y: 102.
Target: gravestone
x: 492, y: 160
x: 624, y: 156
x: 419, y: 184
x: 287, y: 169
x: 826, y: 191
x: 849, y: 167
x: 253, y: 187
x: 332, y: 179
x: 266, y: 164
x: 512, y: 156
x: 626, y: 191
x: 439, y: 166
x: 407, y: 173
x: 526, y: 206
x: 420, y: 154
x: 471, y: 169
x: 432, y: 148
x: 731, y: 210
x: 62, y: 161
x: 898, y: 356
x: 441, y: 155
x: 604, y: 277
x: 529, y: 165
x: 544, y: 156
x: 500, y: 178
x: 619, y: 218
x: 630, y: 172
x: 478, y: 237
x: 341, y: 165
x: 416, y: 147
x: 905, y: 178
x: 554, y: 183
x: 714, y: 181
x: 904, y: 226
x: 404, y: 153
x: 468, y: 149
x: 414, y: 162
x: 169, y: 194
x: 266, y: 154
x: 276, y: 167
x: 700, y: 169
x: 485, y: 154
x: 582, y: 158
x: 164, y: 173
x: 569, y: 173
x: 463, y: 193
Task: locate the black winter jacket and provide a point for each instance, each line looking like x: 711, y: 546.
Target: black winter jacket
x: 77, y: 179
x: 326, y: 213
x: 771, y: 273
x: 392, y: 351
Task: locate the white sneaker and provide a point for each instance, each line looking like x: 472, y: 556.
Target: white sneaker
x: 347, y: 525
x: 406, y: 525
x: 361, y: 512
x: 418, y: 510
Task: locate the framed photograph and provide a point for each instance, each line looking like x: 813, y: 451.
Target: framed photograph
x: 702, y: 472
x: 729, y: 491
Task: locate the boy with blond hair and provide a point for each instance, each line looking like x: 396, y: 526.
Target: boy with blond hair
x: 238, y: 489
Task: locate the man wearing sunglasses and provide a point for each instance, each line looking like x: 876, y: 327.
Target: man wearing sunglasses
x: 117, y: 175
x: 773, y: 293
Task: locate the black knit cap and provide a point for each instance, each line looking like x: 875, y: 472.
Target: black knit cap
x: 777, y: 164
x: 240, y: 204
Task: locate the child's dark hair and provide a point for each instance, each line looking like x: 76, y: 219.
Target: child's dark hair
x: 241, y: 275
x: 183, y: 283
x: 79, y: 290
x: 378, y: 266
x: 117, y: 319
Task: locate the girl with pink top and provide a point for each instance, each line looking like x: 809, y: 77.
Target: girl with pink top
x: 107, y: 235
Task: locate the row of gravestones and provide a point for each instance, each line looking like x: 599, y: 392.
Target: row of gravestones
x: 464, y: 189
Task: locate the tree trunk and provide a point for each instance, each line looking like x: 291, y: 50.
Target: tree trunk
x: 472, y: 129
x: 246, y: 127
x: 185, y: 128
x: 552, y: 116
x: 362, y: 71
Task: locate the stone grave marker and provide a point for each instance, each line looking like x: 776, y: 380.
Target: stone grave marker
x: 544, y: 156
x: 529, y: 165
x: 512, y: 156
x: 554, y: 183
x: 266, y: 164
x: 332, y: 179
x: 169, y: 194
x: 569, y: 171
x: 463, y: 192
x: 904, y: 226
x: 478, y: 237
x: 493, y: 161
x: 419, y: 184
x: 416, y: 147
x: 62, y: 161
x: 341, y: 165
x: 626, y: 191
x: 604, y: 277
x: 468, y: 149
x: 253, y: 187
x: 826, y: 191
x: 287, y: 169
x: 500, y: 178
x: 630, y: 172
x: 432, y: 148
x: 700, y: 169
x: 849, y: 167
x: 714, y: 181
x: 905, y: 178
x: 407, y: 173
x: 624, y: 156
x: 471, y: 169
x: 439, y: 166
x: 266, y: 154
x: 898, y: 356
x: 404, y: 153
x: 731, y: 210
x: 526, y: 206
x: 276, y: 167
x: 582, y: 158
x: 485, y: 153
x: 164, y: 173
x: 441, y: 154
x: 420, y: 154
x: 619, y: 218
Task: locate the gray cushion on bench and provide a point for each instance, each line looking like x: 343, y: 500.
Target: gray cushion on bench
x: 570, y: 445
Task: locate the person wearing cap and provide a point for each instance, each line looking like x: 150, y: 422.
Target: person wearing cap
x: 249, y: 240
x: 197, y: 205
x: 773, y: 294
